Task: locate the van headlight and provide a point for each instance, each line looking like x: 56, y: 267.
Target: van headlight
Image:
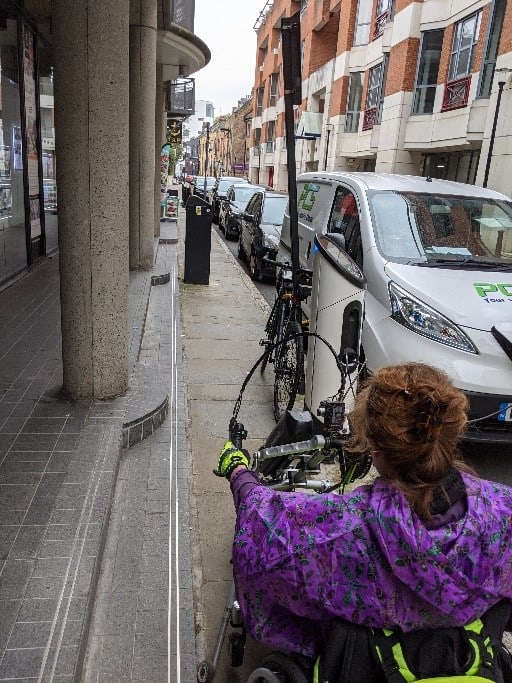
x: 420, y: 318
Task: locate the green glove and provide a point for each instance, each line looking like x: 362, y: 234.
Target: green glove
x: 229, y: 458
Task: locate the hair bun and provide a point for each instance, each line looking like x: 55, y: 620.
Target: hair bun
x: 430, y: 418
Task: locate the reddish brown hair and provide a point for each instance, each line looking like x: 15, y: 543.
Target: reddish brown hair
x: 414, y: 416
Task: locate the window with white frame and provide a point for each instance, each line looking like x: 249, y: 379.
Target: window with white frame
x: 273, y: 90
x: 464, y: 42
x: 355, y: 93
x: 375, y: 94
x: 375, y: 85
x: 257, y: 141
x: 491, y: 49
x: 363, y: 21
x: 271, y: 127
x: 259, y: 101
x: 428, y: 69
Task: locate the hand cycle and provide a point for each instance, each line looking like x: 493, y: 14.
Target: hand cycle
x: 290, y: 460
x: 284, y: 337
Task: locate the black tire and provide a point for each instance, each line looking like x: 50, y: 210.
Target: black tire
x: 278, y: 667
x: 274, y: 328
x: 288, y: 370
x: 240, y: 252
x: 254, y: 270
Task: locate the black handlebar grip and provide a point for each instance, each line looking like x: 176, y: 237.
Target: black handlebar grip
x: 237, y: 433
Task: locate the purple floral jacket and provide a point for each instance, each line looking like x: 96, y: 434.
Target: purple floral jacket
x: 300, y: 560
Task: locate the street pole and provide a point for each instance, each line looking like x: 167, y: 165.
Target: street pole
x: 206, y: 155
x: 290, y: 31
x: 501, y: 84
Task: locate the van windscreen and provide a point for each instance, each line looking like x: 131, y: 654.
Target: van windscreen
x: 422, y: 227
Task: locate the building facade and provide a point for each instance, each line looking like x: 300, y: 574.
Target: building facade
x: 401, y: 86
x: 80, y: 165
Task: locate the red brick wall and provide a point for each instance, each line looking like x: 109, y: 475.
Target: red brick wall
x: 402, y: 66
x: 506, y: 35
x: 346, y: 26
x: 338, y: 103
x: 319, y: 46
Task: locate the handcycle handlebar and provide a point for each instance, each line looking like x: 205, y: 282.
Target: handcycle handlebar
x: 237, y: 433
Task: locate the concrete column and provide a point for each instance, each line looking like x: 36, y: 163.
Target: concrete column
x: 91, y: 109
x: 160, y: 125
x: 143, y: 32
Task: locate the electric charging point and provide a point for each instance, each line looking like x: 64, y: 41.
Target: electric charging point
x: 198, y: 241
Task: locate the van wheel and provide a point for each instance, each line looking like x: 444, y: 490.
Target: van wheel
x: 240, y: 251
x: 254, y: 271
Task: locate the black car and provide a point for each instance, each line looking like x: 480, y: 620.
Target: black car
x: 198, y: 186
x: 260, y: 230
x: 218, y: 193
x: 232, y: 208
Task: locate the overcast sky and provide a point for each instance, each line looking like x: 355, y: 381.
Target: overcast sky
x: 226, y: 26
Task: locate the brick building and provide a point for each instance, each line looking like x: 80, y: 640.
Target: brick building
x: 400, y: 86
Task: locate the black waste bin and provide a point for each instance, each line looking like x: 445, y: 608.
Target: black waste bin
x: 198, y: 241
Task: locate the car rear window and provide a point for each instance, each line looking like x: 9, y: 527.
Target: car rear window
x: 273, y: 210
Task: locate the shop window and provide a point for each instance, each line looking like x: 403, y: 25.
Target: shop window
x: 459, y: 166
x: 13, y: 245
x: 428, y: 70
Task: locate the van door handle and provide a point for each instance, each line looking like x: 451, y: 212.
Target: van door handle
x: 308, y: 251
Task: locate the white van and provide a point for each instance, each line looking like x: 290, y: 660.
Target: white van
x: 437, y: 257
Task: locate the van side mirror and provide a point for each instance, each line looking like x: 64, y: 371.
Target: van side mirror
x: 338, y: 240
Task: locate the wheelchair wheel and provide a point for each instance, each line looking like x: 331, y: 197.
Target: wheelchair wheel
x: 278, y: 668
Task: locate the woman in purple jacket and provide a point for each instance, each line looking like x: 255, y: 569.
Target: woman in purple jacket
x: 427, y: 545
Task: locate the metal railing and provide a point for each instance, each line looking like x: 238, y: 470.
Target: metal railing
x: 370, y: 118
x: 456, y: 93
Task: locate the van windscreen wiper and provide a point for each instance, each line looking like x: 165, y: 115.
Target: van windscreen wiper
x: 466, y: 263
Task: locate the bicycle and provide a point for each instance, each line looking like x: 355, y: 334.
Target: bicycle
x: 284, y: 335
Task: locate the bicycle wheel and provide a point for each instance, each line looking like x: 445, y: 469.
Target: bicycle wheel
x: 274, y: 327
x: 278, y: 668
x: 288, y: 369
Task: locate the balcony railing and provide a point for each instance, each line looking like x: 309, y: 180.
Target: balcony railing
x: 370, y: 118
x: 456, y: 93
x: 380, y: 22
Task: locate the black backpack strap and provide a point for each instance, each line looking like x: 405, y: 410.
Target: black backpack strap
x: 389, y: 653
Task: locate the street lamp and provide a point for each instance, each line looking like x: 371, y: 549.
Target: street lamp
x: 501, y: 84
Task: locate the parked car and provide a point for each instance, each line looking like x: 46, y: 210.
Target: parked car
x: 218, y: 193
x: 260, y: 228
x: 199, y: 183
x: 232, y: 208
x: 437, y: 257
